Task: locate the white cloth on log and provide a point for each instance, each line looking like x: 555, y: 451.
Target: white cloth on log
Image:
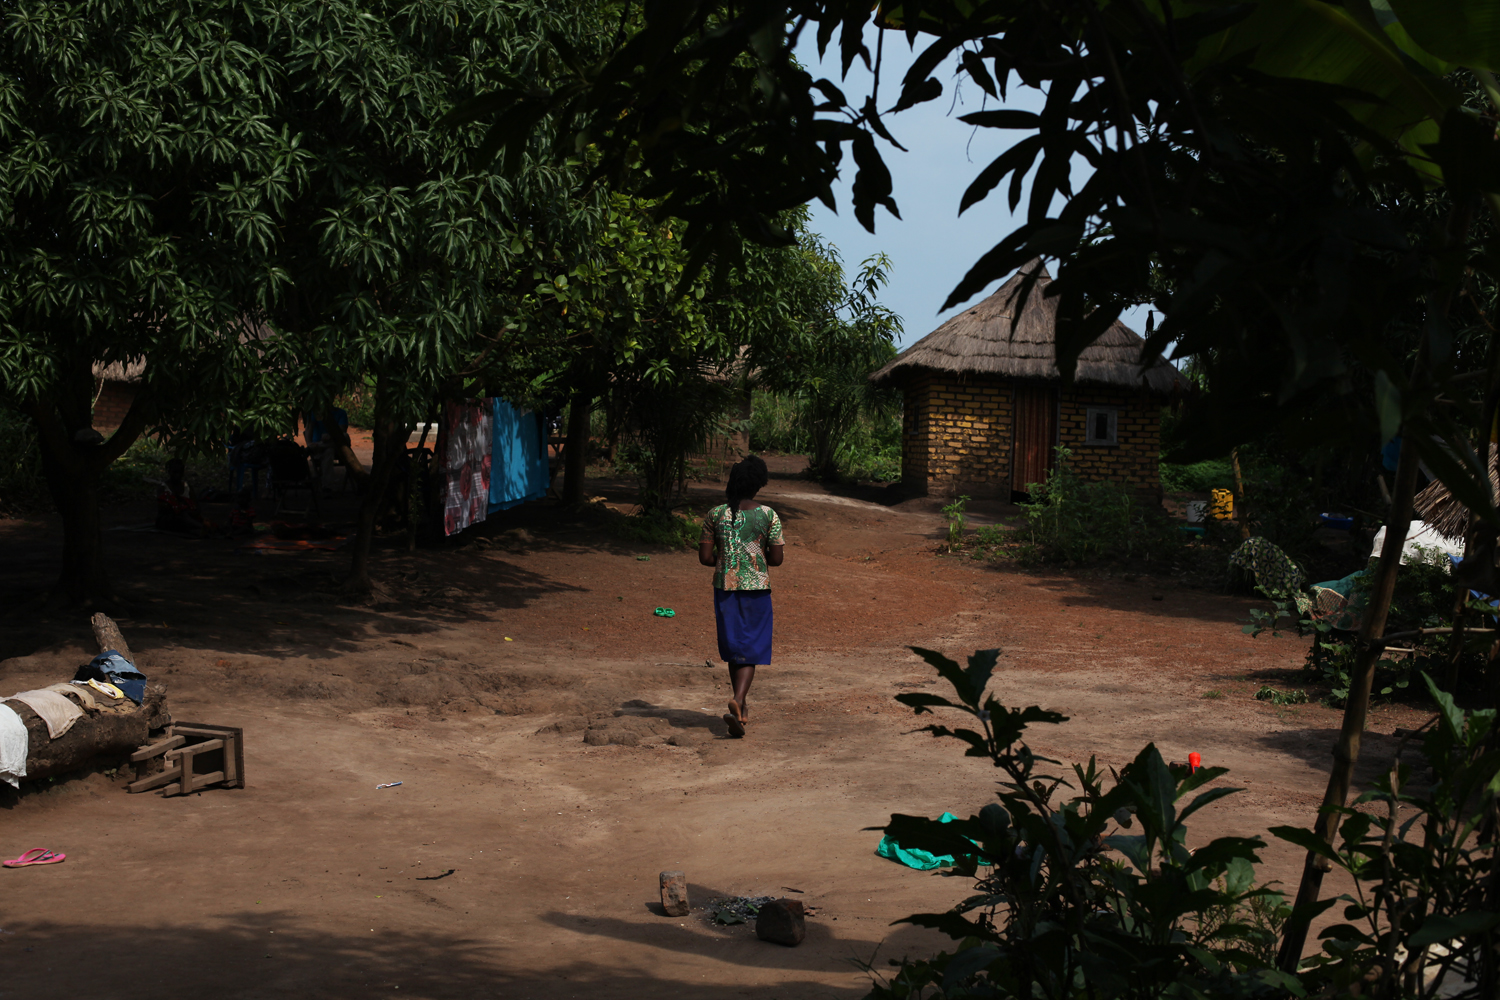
x: 58, y: 712
x: 15, y: 741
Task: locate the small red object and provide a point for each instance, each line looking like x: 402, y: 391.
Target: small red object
x: 1195, y: 760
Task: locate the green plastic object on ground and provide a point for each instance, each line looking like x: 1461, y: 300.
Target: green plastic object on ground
x: 664, y: 613
x: 915, y: 857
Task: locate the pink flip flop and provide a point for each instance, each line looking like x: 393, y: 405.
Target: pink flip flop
x: 36, y: 856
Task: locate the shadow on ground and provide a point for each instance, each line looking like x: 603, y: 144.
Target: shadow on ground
x: 259, y: 955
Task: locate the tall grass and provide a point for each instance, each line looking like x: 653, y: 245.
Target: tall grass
x: 23, y: 487
x: 871, y: 449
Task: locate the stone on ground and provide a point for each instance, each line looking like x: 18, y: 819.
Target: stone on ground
x: 782, y: 922
x: 674, y: 896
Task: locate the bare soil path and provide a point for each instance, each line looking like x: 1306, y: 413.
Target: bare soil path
x: 470, y: 680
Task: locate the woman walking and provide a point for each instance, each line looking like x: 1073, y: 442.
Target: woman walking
x: 742, y: 540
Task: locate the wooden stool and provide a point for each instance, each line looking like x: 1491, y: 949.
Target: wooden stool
x: 220, y: 747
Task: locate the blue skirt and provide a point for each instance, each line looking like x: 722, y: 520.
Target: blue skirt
x: 743, y: 620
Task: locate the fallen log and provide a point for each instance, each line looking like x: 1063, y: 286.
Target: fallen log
x: 111, y: 730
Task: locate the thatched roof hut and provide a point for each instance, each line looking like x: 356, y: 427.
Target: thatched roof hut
x: 986, y: 408
x: 982, y: 340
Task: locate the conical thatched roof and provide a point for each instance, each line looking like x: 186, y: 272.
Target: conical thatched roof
x: 980, y: 341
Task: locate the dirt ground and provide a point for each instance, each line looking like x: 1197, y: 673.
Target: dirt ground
x: 472, y: 678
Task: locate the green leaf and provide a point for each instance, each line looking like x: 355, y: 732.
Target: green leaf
x: 1439, y: 927
x: 1448, y: 711
x: 1308, y: 840
x: 1464, y: 32
x: 1212, y: 795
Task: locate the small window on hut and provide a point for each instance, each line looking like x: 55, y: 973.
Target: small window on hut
x: 1100, y: 425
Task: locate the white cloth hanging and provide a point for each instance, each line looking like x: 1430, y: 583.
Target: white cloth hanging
x: 1423, y: 545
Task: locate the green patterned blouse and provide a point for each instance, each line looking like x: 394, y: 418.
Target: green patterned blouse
x: 742, y: 543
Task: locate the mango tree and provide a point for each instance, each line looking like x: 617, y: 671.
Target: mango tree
x: 141, y: 178
x: 409, y: 260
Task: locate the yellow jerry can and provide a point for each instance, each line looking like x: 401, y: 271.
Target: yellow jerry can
x: 1222, y: 507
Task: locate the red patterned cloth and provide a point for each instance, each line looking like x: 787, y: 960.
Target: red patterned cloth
x: 464, y: 455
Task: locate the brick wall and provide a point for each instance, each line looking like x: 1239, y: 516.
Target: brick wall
x: 114, y: 402
x: 956, y: 435
x: 1132, y: 461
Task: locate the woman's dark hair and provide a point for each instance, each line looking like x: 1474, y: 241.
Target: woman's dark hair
x: 746, y: 478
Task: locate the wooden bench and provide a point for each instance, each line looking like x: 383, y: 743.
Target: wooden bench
x: 222, y: 763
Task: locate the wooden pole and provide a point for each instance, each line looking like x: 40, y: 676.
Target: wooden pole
x: 1239, y: 492
x: 1369, y: 647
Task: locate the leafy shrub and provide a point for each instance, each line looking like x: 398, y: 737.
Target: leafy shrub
x: 1423, y: 911
x: 1197, y: 477
x: 879, y: 462
x: 1073, y: 521
x: 1069, y: 897
x: 777, y: 424
x: 657, y: 527
x: 1071, y: 906
x: 1275, y: 697
x: 870, y: 448
x: 1423, y: 599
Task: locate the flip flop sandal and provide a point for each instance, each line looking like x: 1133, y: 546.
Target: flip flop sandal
x: 36, y: 856
x: 664, y: 613
x: 736, y: 728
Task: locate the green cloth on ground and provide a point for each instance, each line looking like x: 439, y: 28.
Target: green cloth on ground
x: 915, y: 857
x: 1341, y: 603
x: 1273, y: 569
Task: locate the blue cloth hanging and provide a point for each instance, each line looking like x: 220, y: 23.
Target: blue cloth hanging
x: 518, y: 456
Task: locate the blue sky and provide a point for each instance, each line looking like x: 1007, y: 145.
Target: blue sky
x: 931, y: 247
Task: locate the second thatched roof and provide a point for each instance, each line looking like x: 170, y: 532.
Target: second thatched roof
x: 981, y: 341
x: 1440, y: 509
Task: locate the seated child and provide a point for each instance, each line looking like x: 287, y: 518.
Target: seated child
x: 176, y: 510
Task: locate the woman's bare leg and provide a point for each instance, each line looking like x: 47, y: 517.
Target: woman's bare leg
x: 740, y: 676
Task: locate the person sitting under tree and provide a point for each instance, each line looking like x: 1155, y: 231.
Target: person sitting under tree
x: 742, y: 539
x: 176, y: 510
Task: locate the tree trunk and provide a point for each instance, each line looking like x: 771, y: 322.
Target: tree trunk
x: 1356, y: 709
x: 83, y: 576
x: 73, y: 469
x: 390, y: 436
x: 575, y: 450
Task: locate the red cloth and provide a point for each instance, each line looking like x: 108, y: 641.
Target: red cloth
x: 167, y: 500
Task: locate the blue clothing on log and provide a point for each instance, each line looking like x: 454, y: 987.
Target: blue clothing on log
x: 743, y: 621
x: 112, y: 668
x: 518, y: 456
